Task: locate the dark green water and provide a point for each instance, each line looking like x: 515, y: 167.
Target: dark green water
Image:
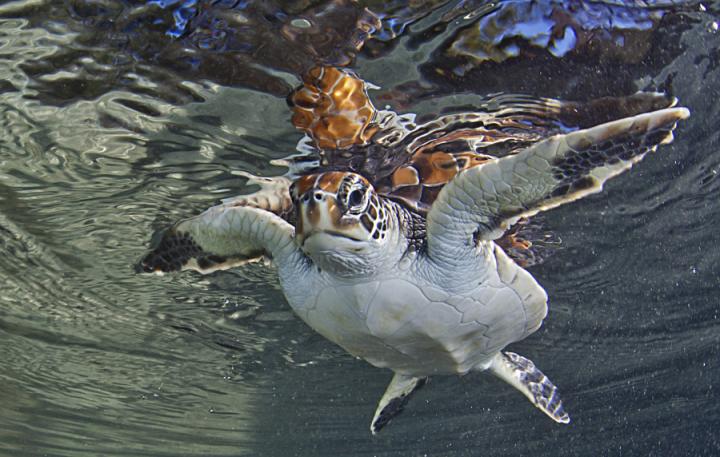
x: 117, y: 118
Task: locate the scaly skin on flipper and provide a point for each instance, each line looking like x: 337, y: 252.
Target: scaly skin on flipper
x: 505, y: 125
x: 273, y: 196
x: 481, y: 203
x: 215, y: 240
x: 522, y: 374
x: 222, y: 237
x: 394, y: 399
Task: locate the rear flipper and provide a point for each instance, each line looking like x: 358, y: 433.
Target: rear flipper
x: 522, y: 374
x: 394, y: 400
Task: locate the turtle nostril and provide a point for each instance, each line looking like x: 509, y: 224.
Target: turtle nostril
x: 318, y: 196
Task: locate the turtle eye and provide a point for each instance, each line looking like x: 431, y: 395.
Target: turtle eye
x: 355, y: 198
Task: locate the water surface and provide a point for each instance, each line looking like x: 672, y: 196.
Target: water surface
x: 117, y: 118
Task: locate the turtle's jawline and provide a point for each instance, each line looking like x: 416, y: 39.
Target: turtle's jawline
x: 331, y: 233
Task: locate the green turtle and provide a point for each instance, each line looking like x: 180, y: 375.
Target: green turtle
x: 402, y: 265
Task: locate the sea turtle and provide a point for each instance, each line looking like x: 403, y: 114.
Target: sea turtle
x: 394, y: 244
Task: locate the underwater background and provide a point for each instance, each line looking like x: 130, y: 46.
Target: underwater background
x: 119, y: 117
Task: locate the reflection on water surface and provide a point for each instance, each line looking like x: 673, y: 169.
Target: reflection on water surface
x: 120, y: 117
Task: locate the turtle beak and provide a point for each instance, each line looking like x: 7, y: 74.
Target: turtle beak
x: 320, y: 212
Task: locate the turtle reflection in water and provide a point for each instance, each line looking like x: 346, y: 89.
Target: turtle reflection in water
x: 405, y: 243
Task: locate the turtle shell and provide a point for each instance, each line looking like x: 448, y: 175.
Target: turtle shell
x: 404, y: 161
x: 410, y: 162
x: 333, y: 108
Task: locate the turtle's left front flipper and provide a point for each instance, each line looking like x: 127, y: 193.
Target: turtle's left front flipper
x: 394, y: 399
x: 482, y: 202
x: 240, y: 230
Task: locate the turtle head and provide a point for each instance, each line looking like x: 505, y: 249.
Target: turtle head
x: 341, y: 221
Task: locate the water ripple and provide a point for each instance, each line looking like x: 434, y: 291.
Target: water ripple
x: 105, y: 138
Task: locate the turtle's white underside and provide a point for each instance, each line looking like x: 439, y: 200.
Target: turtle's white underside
x: 406, y: 321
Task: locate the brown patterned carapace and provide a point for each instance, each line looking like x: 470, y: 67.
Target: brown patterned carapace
x: 329, y: 181
x: 418, y: 182
x: 333, y: 108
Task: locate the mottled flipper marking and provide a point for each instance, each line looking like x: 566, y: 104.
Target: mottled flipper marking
x: 226, y: 235
x: 173, y: 250
x: 482, y: 202
x: 222, y: 237
x: 522, y: 374
x: 394, y: 399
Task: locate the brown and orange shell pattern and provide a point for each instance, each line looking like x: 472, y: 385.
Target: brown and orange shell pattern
x: 418, y: 182
x: 411, y: 163
x: 333, y: 108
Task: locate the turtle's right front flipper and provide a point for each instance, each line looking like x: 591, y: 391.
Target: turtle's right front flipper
x: 482, y: 202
